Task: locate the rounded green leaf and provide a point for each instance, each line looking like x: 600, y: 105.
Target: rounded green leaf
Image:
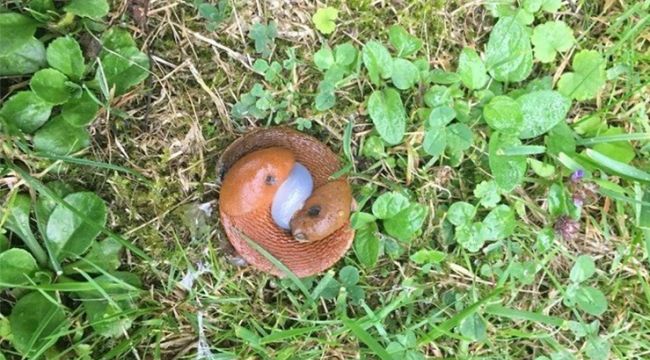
x: 387, y: 113
x: 405, y: 74
x: 58, y: 137
x: 366, y: 244
x: 461, y: 213
x: 349, y: 275
x: 583, y: 269
x: 324, y: 19
x: 50, y: 85
x: 377, y: 61
x: 542, y: 110
x: 94, y: 9
x: 504, y: 114
x: 16, y: 29
x: 124, y: 70
x: 345, y: 54
x: 26, y: 110
x: 591, y: 300
x: 36, y: 323
x: 459, y: 137
x: 435, y: 141
x: 80, y: 111
x: 16, y: 266
x: 64, y: 54
x: 473, y: 327
x: 26, y: 59
x: 499, y: 223
x: 324, y: 58
x: 389, y: 204
x: 405, y: 43
x: 587, y: 78
x: 508, y: 170
x: 68, y: 234
x: 470, y: 236
x: 509, y: 56
x: 407, y: 222
x: 471, y: 69
x: 550, y: 38
x: 440, y: 117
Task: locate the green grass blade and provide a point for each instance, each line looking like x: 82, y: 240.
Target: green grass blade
x: 618, y: 167
x: 509, y: 313
x: 523, y: 150
x: 613, y: 138
x: 367, y: 339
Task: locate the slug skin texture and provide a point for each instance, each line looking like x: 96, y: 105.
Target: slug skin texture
x: 256, y: 223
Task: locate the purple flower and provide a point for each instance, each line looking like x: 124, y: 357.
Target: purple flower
x: 577, y: 175
x: 567, y: 228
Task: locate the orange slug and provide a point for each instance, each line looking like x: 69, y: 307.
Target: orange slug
x: 307, y: 230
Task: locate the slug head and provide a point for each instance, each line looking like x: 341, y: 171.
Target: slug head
x: 326, y: 211
x: 253, y: 180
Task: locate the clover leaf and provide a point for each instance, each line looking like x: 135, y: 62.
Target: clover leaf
x: 387, y: 112
x: 263, y: 36
x: 377, y: 61
x: 550, y: 38
x: 405, y: 43
x: 325, y: 18
x: 94, y: 9
x: 471, y: 69
x: 509, y: 56
x: 64, y: 54
x: 587, y: 78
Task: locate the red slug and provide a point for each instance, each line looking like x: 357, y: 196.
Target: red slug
x: 276, y: 191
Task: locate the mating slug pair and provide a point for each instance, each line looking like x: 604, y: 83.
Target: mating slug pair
x: 276, y: 191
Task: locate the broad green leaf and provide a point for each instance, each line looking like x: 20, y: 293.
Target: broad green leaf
x: 524, y: 17
x: 406, y: 223
x: 597, y: 348
x: 583, y: 269
x: 25, y: 59
x: 440, y: 117
x: 388, y: 115
x: 107, y: 315
x: 557, y: 201
x: 264, y: 37
x: 471, y: 69
x: 550, y: 38
x: 70, y: 235
x: 551, y: 6
x: 345, y: 54
x: 324, y: 19
x: 58, y: 137
x: 36, y: 323
x: 377, y: 61
x: 532, y: 6
x: 389, y: 204
x: 591, y: 300
x: 326, y: 96
x: 508, y: 171
x: 509, y: 57
x: 324, y: 58
x: 349, y: 275
x: 94, y: 9
x: 374, y: 148
x: 45, y: 204
x: 404, y: 43
x: 103, y: 255
x: 16, y: 266
x: 26, y: 111
x: 435, y: 141
x: 499, y: 223
x: 488, y: 193
x: 4, y: 243
x: 426, y: 256
x: 116, y: 39
x: 618, y: 167
x: 459, y: 137
x: 17, y: 217
x: 64, y: 54
x: 404, y: 75
x: 504, y: 114
x: 621, y: 151
x: 361, y: 219
x: 541, y: 169
x: 470, y: 236
x: 438, y: 96
x: 587, y: 78
x: 80, y: 111
x: 542, y: 110
x: 366, y: 245
x: 50, y: 85
x: 461, y: 213
x: 124, y: 70
x: 21, y: 29
x: 473, y: 327
x: 561, y: 139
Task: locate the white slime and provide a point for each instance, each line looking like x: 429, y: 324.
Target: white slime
x: 291, y: 195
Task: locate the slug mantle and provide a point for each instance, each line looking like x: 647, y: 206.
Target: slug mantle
x: 252, y: 170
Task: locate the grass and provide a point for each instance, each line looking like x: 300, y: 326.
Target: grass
x: 155, y: 164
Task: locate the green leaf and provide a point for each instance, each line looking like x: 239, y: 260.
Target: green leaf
x: 18, y: 221
x: 103, y: 255
x: 541, y: 169
x: 349, y: 275
x: 620, y: 168
x: 116, y: 39
x: 435, y: 141
x: 470, y: 236
x: 70, y: 235
x: 587, y: 78
x: 16, y: 266
x: 264, y: 37
x: 597, y: 348
x: 532, y: 6
x: 345, y: 54
x: 499, y: 223
x: 583, y: 269
x: 326, y: 96
x: 325, y: 18
x: 459, y: 137
x: 125, y: 69
x: 388, y: 115
x: 488, y: 193
x: 21, y: 28
x: 441, y: 116
x: 377, y: 61
x: 25, y: 59
x: 473, y: 327
x: 374, y: 148
x: 508, y: 171
x: 560, y: 139
x: 36, y: 323
x: 504, y: 114
x: 406, y: 223
x: 324, y: 58
x: 64, y: 54
x: 366, y: 245
x: 404, y: 43
x: 80, y: 111
x: 58, y: 137
x: 94, y: 9
x: 461, y: 213
x: 471, y: 69
x: 26, y: 111
x: 438, y: 96
x: 550, y: 38
x: 509, y: 57
x: 45, y: 204
x: 50, y: 85
x: 4, y: 243
x: 404, y: 74
x: 389, y: 204
x: 542, y: 110
x: 591, y: 300
x: 427, y: 256
x: 551, y: 6
x: 621, y: 151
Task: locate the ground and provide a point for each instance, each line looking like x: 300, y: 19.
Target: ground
x: 176, y: 124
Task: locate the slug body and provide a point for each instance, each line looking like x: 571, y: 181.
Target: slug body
x: 276, y: 191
